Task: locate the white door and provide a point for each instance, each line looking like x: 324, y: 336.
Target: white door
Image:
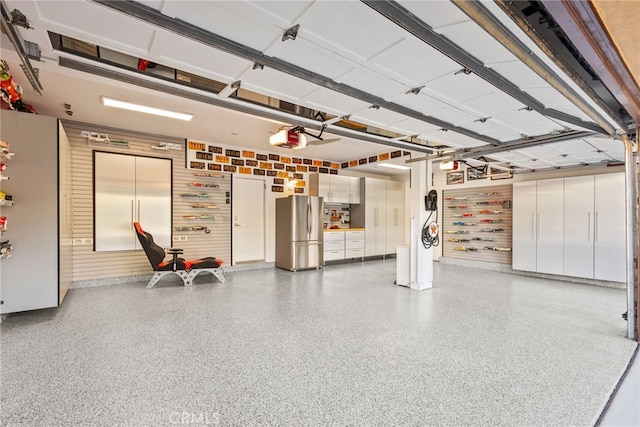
x: 248, y: 220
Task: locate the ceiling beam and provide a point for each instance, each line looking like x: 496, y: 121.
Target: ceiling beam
x: 190, y: 31
x: 518, y: 144
x: 409, y: 22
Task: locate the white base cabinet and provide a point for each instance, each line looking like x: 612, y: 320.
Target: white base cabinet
x: 573, y: 226
x: 343, y: 244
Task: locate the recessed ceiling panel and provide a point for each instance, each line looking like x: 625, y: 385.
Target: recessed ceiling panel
x: 547, y: 96
x: 276, y: 84
x: 453, y: 139
x: 493, y: 103
x: 377, y: 117
x: 476, y: 41
x: 524, y: 118
x: 414, y: 63
x: 239, y: 21
x: 460, y: 87
x: 212, y: 63
x: 455, y: 116
x: 348, y: 28
x: 421, y: 102
x: 543, y: 126
x: 571, y: 147
x: 436, y: 14
x: 611, y: 148
x: 332, y: 102
x: 410, y: 126
x: 540, y: 152
x: 373, y: 83
x: 311, y: 57
x: 518, y: 73
x: 99, y: 25
x: 493, y: 130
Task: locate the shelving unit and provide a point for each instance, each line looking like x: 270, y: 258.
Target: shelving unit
x: 477, y: 224
x: 213, y: 196
x: 6, y: 247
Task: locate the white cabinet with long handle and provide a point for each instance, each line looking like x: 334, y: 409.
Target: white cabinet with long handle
x: 609, y: 236
x: 127, y: 189
x: 573, y: 226
x: 381, y: 213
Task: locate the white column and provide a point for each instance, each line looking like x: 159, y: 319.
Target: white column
x: 421, y: 259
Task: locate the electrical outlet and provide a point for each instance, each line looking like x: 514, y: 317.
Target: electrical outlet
x: 184, y: 237
x: 176, y: 238
x: 88, y: 241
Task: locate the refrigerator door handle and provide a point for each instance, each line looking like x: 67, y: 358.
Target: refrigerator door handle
x: 308, y: 220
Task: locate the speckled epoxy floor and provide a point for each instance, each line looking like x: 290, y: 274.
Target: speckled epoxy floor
x: 339, y: 346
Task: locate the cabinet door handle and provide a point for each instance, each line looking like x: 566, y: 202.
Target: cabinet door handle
x: 596, y: 229
x: 588, y: 226
x: 538, y: 227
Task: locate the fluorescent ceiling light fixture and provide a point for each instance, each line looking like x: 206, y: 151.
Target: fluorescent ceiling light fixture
x: 394, y: 166
x: 110, y: 102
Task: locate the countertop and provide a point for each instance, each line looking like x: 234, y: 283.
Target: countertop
x: 343, y: 229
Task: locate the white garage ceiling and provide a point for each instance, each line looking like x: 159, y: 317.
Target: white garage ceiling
x: 346, y: 58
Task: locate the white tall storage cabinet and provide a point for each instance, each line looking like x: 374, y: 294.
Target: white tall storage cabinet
x: 381, y: 213
x: 38, y: 274
x: 524, y: 226
x: 549, y: 223
x: 573, y: 226
x: 395, y: 216
x: 131, y: 188
x: 375, y: 224
x: 609, y: 228
x: 578, y: 226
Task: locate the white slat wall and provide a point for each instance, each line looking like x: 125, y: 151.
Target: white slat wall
x: 89, y: 265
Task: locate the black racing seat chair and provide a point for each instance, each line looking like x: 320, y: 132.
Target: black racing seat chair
x: 187, y: 270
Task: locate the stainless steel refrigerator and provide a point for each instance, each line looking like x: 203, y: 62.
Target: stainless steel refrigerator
x: 299, y: 232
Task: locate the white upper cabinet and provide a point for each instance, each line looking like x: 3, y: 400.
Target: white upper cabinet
x: 335, y: 188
